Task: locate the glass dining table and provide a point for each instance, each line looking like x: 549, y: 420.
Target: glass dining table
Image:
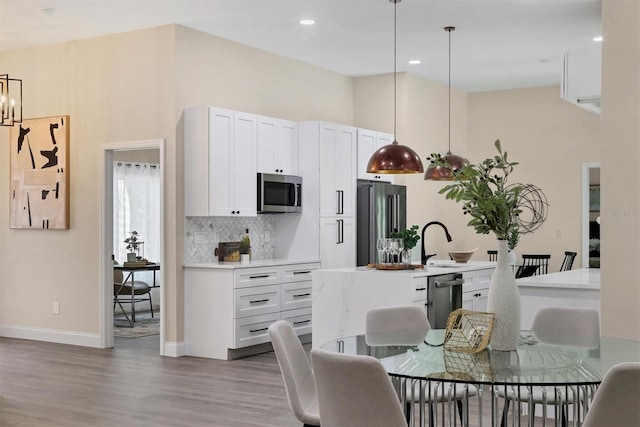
x: 537, y: 384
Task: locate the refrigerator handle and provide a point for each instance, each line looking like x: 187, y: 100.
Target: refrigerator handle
x: 396, y: 202
x: 390, y: 217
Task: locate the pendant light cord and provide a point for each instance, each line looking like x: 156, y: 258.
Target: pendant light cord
x: 395, y: 61
x: 449, y: 29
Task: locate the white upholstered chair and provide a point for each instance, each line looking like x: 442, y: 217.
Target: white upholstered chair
x: 567, y: 326
x: 299, y: 381
x: 407, y: 325
x: 355, y: 391
x: 617, y: 401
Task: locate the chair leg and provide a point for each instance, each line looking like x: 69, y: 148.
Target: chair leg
x: 408, y: 408
x: 505, y: 413
x: 150, y: 303
x: 460, y: 411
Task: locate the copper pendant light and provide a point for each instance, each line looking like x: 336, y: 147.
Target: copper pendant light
x: 439, y: 173
x: 395, y: 158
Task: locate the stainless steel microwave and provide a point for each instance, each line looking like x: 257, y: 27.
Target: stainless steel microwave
x: 279, y: 193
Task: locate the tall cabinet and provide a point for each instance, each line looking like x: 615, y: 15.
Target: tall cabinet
x: 220, y: 162
x: 328, y: 156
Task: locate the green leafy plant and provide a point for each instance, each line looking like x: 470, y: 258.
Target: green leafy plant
x: 409, y: 236
x: 493, y: 204
x: 132, y: 241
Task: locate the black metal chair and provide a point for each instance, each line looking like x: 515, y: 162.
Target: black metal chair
x: 493, y: 255
x: 526, y: 271
x: 542, y: 261
x: 123, y: 294
x: 567, y: 263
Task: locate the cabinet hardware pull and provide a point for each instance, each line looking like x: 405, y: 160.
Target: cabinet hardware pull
x: 258, y: 301
x: 233, y: 212
x: 301, y: 295
x: 421, y: 289
x: 257, y: 330
x: 302, y: 272
x: 262, y: 276
x: 301, y: 322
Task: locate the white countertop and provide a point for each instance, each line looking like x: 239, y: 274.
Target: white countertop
x: 433, y: 268
x: 250, y: 264
x: 582, y: 278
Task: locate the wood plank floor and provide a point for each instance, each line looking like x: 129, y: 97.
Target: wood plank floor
x: 45, y: 384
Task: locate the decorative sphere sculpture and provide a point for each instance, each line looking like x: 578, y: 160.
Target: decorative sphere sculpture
x: 534, y: 204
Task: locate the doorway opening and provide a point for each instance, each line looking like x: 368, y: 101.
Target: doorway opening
x: 133, y: 154
x: 591, y: 215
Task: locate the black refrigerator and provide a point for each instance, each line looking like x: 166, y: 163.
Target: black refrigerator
x: 381, y: 209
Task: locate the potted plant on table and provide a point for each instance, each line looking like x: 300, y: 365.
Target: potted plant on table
x: 409, y: 238
x: 508, y: 211
x: 133, y: 244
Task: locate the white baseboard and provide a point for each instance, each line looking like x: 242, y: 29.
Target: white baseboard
x: 51, y: 335
x: 174, y: 349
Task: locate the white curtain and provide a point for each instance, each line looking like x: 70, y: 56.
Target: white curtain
x: 136, y: 206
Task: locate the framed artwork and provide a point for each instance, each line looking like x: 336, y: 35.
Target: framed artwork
x: 39, y: 165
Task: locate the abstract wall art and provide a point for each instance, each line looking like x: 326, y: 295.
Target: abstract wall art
x: 39, y: 190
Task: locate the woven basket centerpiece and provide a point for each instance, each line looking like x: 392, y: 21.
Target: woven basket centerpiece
x: 468, y: 331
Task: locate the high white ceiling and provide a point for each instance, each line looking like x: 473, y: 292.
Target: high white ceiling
x: 497, y: 44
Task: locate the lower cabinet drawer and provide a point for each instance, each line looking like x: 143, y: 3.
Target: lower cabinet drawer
x: 300, y: 320
x: 253, y: 330
x: 257, y: 300
x: 296, y: 295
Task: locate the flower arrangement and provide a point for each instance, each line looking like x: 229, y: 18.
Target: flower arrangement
x: 493, y: 204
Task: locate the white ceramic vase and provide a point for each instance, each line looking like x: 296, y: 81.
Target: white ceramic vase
x: 504, y: 301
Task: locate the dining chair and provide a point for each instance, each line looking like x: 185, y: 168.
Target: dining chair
x: 123, y: 294
x: 567, y: 263
x: 493, y: 255
x: 408, y: 325
x: 542, y: 261
x: 299, y: 380
x: 526, y: 271
x: 616, y: 401
x: 355, y: 391
x: 567, y: 326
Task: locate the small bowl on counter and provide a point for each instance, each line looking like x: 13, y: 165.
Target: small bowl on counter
x: 462, y: 256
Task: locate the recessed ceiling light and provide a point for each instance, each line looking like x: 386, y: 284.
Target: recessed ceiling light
x: 47, y: 10
x: 307, y: 22
x: 415, y: 62
x: 597, y: 39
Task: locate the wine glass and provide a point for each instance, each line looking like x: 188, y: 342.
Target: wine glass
x: 393, y: 248
x: 381, y: 245
x: 400, y: 249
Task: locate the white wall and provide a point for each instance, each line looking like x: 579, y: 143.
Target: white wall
x: 620, y: 169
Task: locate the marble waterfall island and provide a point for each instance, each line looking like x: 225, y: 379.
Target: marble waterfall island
x: 341, y: 297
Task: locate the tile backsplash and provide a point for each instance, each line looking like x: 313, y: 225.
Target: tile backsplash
x: 204, y: 233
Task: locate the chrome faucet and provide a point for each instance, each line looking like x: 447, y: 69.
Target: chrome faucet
x: 424, y: 256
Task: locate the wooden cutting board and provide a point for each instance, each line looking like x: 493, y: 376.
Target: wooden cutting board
x: 396, y: 266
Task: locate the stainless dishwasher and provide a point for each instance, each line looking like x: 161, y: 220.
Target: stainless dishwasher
x: 444, y: 294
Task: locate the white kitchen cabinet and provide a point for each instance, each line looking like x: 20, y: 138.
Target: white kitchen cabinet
x: 230, y: 309
x: 277, y: 146
x: 581, y: 78
x: 337, y: 170
x: 220, y: 162
x: 475, y: 290
x: 337, y: 242
x: 475, y: 300
x: 369, y: 142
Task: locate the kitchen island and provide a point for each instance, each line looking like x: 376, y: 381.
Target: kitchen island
x: 572, y: 288
x: 342, y: 297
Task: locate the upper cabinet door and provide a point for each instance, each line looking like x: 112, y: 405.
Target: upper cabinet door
x: 345, y: 171
x: 221, y: 138
x: 244, y: 175
x: 287, y: 147
x: 368, y: 142
x: 277, y: 146
x: 337, y: 170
